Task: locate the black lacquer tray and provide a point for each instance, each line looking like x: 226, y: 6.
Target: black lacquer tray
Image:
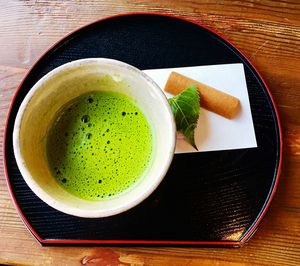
x: 208, y: 198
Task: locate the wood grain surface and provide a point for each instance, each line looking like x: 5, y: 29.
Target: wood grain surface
x: 268, y: 32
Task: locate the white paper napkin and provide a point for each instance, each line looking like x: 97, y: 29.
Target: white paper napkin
x: 215, y: 132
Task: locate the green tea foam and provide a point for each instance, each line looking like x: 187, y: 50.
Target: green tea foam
x: 99, y: 145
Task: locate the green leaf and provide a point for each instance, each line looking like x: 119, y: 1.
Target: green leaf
x: 186, y: 109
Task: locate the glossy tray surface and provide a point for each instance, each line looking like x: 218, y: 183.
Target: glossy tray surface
x: 209, y: 198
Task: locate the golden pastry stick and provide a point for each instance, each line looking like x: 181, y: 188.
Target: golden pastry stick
x: 211, y: 99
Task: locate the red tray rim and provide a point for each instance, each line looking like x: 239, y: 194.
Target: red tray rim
x: 239, y: 243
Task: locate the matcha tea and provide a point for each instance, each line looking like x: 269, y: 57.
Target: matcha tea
x: 99, y: 145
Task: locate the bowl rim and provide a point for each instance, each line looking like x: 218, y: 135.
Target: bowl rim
x: 61, y: 205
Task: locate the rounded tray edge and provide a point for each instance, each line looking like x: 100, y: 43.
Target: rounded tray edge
x: 245, y: 237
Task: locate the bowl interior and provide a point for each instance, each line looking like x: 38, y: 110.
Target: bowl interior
x: 60, y: 86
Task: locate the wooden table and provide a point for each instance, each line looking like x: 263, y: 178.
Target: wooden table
x: 268, y: 32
